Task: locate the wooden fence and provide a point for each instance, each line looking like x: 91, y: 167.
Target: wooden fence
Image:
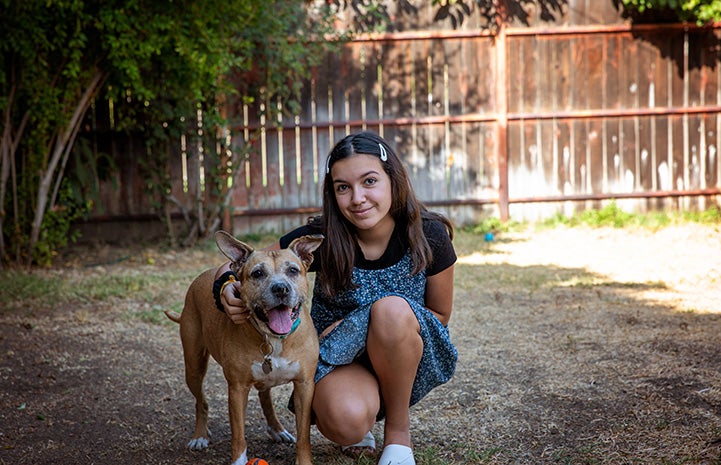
x: 520, y: 120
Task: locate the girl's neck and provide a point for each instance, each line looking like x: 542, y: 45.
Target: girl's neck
x: 374, y: 242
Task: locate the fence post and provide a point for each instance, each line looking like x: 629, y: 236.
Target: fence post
x: 502, y: 109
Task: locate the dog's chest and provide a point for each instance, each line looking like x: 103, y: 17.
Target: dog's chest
x: 275, y: 369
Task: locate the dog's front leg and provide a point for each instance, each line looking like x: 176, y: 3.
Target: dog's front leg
x: 237, y: 403
x: 302, y: 400
x: 275, y: 429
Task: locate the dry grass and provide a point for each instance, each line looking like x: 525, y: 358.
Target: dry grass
x: 577, y: 346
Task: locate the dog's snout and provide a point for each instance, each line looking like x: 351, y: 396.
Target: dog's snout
x: 280, y: 289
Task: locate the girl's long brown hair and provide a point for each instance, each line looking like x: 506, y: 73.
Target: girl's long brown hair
x: 339, y: 247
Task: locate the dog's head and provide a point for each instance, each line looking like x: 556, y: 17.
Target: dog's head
x: 273, y: 282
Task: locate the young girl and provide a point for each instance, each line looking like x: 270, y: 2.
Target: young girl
x: 382, y: 299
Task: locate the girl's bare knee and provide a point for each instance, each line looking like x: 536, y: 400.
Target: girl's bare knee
x: 346, y: 403
x: 346, y: 424
x: 392, y: 317
x: 390, y: 306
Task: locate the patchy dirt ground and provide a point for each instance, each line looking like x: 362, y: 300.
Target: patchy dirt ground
x: 577, y: 346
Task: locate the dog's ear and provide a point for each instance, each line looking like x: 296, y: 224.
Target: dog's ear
x: 304, y: 246
x: 238, y: 252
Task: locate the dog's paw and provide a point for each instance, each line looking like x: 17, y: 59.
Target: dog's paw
x: 198, y: 444
x: 243, y: 459
x: 280, y: 436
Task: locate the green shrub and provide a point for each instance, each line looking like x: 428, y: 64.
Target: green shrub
x: 685, y: 10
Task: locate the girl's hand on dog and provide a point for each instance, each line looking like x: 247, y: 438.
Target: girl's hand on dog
x: 233, y: 305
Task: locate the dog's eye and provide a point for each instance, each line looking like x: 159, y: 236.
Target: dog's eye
x: 257, y: 274
x: 293, y: 270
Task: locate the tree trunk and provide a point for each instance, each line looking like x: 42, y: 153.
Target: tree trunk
x: 4, y: 174
x: 8, y: 146
x: 62, y: 148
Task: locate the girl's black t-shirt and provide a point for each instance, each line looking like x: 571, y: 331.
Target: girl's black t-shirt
x: 441, y: 246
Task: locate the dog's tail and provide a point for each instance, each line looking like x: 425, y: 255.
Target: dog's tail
x: 172, y: 315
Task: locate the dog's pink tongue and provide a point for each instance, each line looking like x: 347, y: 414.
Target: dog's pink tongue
x: 279, y: 320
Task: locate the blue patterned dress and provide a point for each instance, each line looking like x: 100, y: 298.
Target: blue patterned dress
x: 346, y: 342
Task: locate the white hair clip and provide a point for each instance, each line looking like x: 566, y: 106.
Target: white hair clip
x: 327, y: 165
x: 384, y: 154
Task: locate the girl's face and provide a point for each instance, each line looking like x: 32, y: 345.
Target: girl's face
x: 363, y: 192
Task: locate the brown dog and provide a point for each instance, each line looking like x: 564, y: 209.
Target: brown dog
x: 277, y: 344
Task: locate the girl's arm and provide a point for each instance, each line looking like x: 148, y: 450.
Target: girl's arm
x: 439, y: 294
